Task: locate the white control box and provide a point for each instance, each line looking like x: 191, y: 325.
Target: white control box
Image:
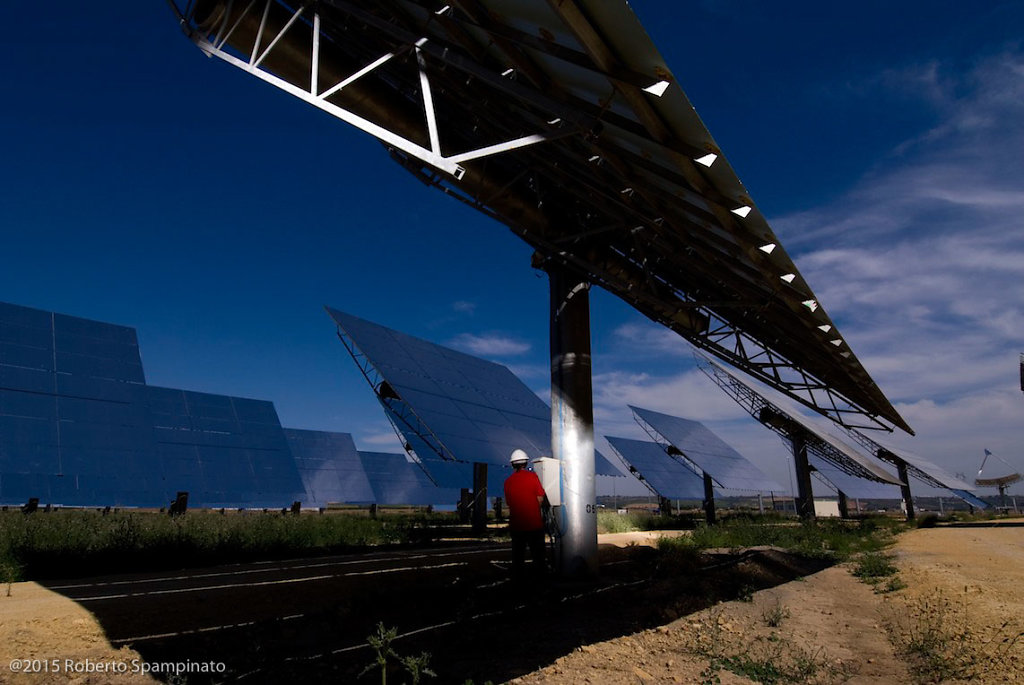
x: 550, y: 473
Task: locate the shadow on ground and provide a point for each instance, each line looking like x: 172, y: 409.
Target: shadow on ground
x: 473, y: 622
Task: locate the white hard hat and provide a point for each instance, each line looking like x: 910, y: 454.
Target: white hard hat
x: 518, y: 456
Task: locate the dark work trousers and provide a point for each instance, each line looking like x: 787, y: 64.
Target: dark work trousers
x: 534, y: 539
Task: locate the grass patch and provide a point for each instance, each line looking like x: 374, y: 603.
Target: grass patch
x: 872, y: 566
x: 84, y: 542
x: 609, y: 521
x: 827, y: 539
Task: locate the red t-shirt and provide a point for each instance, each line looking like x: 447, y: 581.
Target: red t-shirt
x: 522, y: 489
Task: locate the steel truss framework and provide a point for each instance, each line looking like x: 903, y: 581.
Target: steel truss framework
x: 772, y: 416
x: 396, y: 410
x: 671, y: 451
x: 635, y: 193
x: 917, y: 472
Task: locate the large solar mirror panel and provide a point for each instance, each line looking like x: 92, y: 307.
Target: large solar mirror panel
x: 73, y: 427
x: 330, y: 468
x: 654, y: 466
x: 852, y: 486
x: 79, y: 426
x: 226, y: 451
x: 710, y: 453
x: 454, y: 474
x: 457, y: 406
x: 396, y: 481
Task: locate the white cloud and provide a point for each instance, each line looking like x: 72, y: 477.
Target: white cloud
x: 489, y: 345
x: 921, y: 265
x: 379, y: 436
x: 650, y: 338
x: 924, y: 268
x: 464, y: 307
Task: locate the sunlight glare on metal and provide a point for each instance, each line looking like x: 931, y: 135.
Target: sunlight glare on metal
x: 810, y: 304
x: 825, y: 328
x: 707, y: 160
x: 788, y: 278
x: 837, y: 342
x: 742, y: 211
x: 767, y: 249
x: 657, y: 89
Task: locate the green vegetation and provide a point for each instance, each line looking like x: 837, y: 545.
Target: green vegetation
x: 872, y: 566
x: 384, y: 655
x: 81, y: 542
x: 609, y: 521
x: 828, y: 539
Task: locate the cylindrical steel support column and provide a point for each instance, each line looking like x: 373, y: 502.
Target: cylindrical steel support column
x: 908, y: 498
x: 572, y: 422
x: 805, y: 496
x: 844, y: 505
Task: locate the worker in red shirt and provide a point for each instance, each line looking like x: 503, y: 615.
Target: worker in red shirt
x: 525, y: 497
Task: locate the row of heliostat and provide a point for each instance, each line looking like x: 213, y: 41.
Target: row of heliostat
x: 80, y: 427
x: 452, y: 406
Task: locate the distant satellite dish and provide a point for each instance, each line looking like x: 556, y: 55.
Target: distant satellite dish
x: 1002, y: 482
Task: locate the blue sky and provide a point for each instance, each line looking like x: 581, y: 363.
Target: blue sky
x: 146, y: 185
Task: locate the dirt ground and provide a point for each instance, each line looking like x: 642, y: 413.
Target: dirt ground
x: 56, y: 641
x: 963, y: 607
x: 956, y: 607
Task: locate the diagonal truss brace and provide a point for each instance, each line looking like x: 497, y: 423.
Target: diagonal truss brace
x: 882, y: 453
x: 395, y: 409
x: 216, y: 46
x: 755, y: 405
x: 669, y: 448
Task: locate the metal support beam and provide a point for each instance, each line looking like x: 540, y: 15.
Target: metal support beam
x: 908, y: 498
x: 572, y: 422
x: 709, y: 500
x: 844, y: 505
x: 479, y: 498
x: 805, y: 495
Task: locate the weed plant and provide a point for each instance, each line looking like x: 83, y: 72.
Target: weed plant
x: 872, y: 566
x: 385, y: 655
x: 774, y: 614
x: 934, y: 634
x: 65, y: 543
